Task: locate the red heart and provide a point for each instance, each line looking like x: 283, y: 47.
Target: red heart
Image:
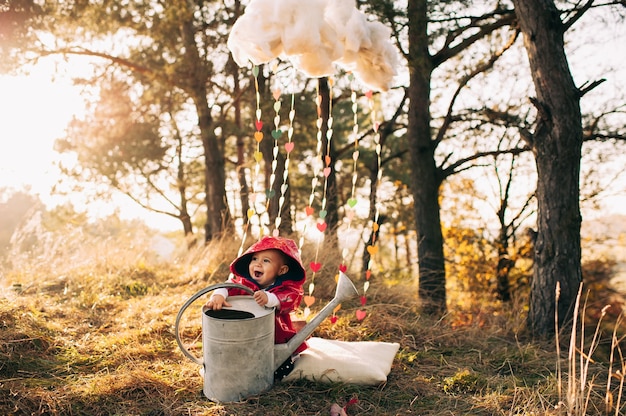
x: 258, y: 124
x: 368, y: 274
x: 308, y: 210
x: 363, y: 300
x: 315, y: 266
x: 321, y: 226
x: 343, y: 268
x: 360, y: 315
x: 333, y: 319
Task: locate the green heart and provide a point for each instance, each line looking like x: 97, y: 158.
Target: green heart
x: 270, y: 193
x: 276, y: 134
x: 255, y: 71
x: 352, y: 202
x: 323, y: 213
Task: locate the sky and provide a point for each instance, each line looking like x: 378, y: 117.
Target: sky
x: 33, y: 112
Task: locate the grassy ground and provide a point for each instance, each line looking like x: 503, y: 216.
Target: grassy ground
x: 98, y: 339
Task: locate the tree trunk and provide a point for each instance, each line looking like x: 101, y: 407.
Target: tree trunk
x: 184, y: 216
x: 328, y: 153
x: 424, y: 174
x: 218, y: 214
x: 557, y: 144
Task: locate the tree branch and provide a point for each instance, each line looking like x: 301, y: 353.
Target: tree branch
x: 584, y: 89
x: 454, y: 167
x: 578, y: 13
x: 447, y: 52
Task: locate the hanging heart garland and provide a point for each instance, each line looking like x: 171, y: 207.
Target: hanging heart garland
x: 320, y: 225
x: 289, y: 146
x: 372, y: 249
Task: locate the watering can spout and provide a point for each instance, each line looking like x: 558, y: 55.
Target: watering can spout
x: 345, y: 289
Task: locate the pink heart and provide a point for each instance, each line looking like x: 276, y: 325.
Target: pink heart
x: 369, y: 94
x: 326, y: 172
x: 360, y: 315
x: 289, y: 146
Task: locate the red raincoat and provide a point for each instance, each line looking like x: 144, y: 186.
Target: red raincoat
x: 288, y: 288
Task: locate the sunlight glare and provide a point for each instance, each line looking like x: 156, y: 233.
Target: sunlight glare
x: 34, y: 111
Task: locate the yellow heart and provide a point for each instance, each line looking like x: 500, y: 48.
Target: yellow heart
x: 372, y: 250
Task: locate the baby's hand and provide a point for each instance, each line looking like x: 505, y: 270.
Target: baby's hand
x: 261, y: 297
x: 216, y: 302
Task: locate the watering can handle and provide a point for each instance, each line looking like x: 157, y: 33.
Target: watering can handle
x: 192, y: 300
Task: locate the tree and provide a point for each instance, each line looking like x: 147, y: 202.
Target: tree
x: 427, y: 176
x: 509, y: 223
x: 556, y: 143
x: 135, y: 145
x: 172, y: 43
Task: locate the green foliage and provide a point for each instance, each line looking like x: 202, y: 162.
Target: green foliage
x: 462, y: 382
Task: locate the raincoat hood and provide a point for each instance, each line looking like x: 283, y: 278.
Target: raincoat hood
x: 296, y: 270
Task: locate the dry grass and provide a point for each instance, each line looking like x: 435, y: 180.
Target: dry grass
x: 96, y: 338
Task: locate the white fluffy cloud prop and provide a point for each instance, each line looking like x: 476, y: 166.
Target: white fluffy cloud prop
x: 315, y: 35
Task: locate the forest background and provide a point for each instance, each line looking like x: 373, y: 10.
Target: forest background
x: 170, y: 121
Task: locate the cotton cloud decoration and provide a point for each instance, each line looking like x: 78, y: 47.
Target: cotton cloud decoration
x: 315, y: 36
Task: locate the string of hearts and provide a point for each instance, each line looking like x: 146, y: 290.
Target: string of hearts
x: 289, y: 146
x: 372, y: 249
x: 321, y: 223
x: 258, y: 156
x: 323, y: 167
x: 352, y: 201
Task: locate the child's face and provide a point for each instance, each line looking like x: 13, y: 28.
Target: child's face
x: 265, y: 266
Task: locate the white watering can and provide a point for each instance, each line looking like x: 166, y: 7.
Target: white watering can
x: 239, y: 353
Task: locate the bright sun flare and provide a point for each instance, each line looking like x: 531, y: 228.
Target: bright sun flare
x: 34, y: 111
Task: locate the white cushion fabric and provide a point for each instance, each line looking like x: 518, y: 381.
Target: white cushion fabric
x: 363, y: 362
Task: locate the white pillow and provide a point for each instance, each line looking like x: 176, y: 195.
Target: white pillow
x: 364, y: 362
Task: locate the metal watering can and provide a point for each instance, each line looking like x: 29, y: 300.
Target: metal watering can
x: 239, y: 354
